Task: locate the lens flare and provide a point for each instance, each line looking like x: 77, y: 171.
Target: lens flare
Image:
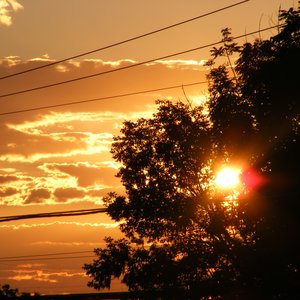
x: 252, y: 179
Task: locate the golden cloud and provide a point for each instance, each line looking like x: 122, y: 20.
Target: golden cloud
x: 37, y: 144
x: 6, y: 8
x: 10, y: 61
x: 181, y: 64
x: 40, y: 275
x: 61, y: 183
x: 116, y: 63
x: 67, y: 244
x: 43, y: 58
x: 84, y: 224
x: 44, y: 138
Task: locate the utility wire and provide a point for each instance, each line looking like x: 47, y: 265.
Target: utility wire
x: 131, y: 66
x: 46, y: 258
x: 126, y: 41
x: 79, y: 212
x: 47, y: 254
x: 101, y: 98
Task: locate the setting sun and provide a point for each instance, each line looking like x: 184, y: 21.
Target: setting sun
x: 228, y: 178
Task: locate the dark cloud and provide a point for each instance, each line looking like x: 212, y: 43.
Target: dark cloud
x: 38, y: 196
x: 88, y: 175
x: 7, y: 178
x: 64, y: 194
x: 6, y: 192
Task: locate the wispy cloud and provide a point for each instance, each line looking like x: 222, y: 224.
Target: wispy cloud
x: 55, y: 135
x: 7, y: 7
x: 85, y: 224
x: 40, y: 275
x: 43, y: 58
x: 115, y: 63
x: 66, y: 244
x: 30, y: 266
x: 52, y: 120
x: 180, y: 63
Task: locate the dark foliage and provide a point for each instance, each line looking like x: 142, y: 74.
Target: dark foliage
x: 7, y: 292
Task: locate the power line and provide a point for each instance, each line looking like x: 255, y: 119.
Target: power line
x: 47, y: 254
x: 131, y: 66
x: 126, y: 41
x: 108, y: 71
x: 102, y: 98
x: 46, y: 258
x: 79, y: 212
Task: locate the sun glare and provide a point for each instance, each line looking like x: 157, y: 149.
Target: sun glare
x: 228, y: 178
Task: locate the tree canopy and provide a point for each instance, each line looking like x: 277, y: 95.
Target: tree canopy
x: 180, y: 232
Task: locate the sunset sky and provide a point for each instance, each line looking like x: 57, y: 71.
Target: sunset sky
x: 59, y: 159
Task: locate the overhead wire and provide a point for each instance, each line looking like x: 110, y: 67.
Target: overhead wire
x: 126, y: 40
x: 79, y: 212
x: 46, y: 254
x: 101, y: 98
x: 46, y: 258
x: 131, y: 66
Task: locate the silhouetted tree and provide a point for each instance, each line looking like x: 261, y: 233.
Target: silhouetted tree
x: 7, y: 292
x: 179, y: 236
x: 179, y: 233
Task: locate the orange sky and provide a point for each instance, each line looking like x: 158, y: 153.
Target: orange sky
x: 59, y: 159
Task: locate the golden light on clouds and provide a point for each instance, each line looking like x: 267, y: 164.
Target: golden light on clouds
x: 181, y: 63
x: 7, y: 7
x: 60, y: 183
x: 81, y: 224
x: 40, y: 275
